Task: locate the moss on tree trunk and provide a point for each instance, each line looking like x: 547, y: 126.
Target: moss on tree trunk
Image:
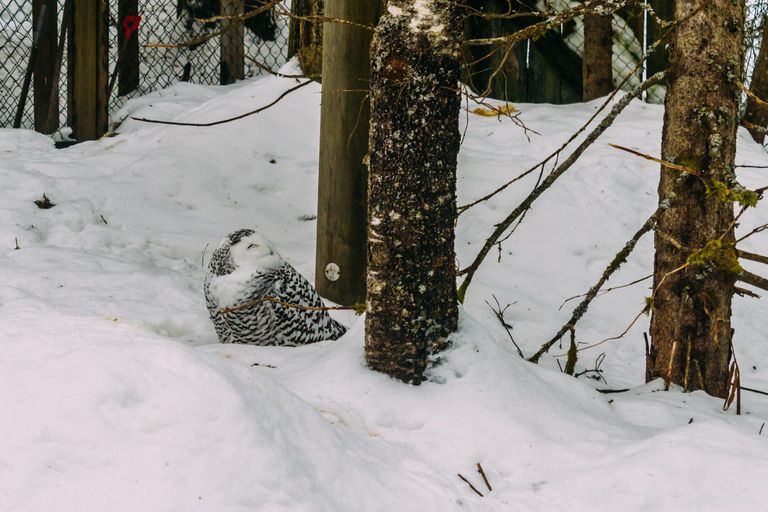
x: 693, y: 306
x: 414, y: 142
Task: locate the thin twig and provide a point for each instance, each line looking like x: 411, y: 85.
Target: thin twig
x: 237, y: 20
x: 606, y: 290
x: 214, y: 123
x: 470, y: 485
x: 549, y: 180
x: 658, y: 160
x: 620, y: 258
x: 267, y: 298
x: 482, y: 473
x: 500, y: 315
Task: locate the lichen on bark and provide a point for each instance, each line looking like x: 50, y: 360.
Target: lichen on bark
x: 693, y: 306
x: 414, y: 142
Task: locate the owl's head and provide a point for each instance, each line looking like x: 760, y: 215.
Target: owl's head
x: 245, y: 249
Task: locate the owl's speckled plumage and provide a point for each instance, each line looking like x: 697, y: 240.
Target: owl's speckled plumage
x: 244, y: 269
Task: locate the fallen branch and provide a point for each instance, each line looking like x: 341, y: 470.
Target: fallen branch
x: 620, y: 258
x: 214, y: 123
x: 470, y: 485
x: 550, y: 179
x: 482, y: 473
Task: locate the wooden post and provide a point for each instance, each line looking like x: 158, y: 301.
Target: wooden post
x: 88, y: 70
x: 44, y: 64
x: 128, y: 74
x: 232, y: 45
x: 343, y: 182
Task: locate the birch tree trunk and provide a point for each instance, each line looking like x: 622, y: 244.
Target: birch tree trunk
x: 691, y: 322
x: 414, y: 142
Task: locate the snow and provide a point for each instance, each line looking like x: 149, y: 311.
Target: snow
x: 116, y: 395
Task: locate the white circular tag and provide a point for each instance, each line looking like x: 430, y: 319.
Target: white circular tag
x: 332, y: 272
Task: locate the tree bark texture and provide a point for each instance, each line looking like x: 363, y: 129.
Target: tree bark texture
x: 414, y: 142
x: 693, y: 306
x: 305, y: 39
x: 755, y: 113
x: 598, y: 53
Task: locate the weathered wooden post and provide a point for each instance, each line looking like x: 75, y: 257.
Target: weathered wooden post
x: 44, y: 76
x: 232, y: 43
x: 88, y: 70
x: 343, y: 185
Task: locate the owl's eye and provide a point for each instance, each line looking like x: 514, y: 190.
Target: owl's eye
x: 252, y: 246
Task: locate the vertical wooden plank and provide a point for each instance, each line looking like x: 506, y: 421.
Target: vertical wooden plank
x: 89, y: 70
x: 232, y: 49
x: 486, y: 59
x: 343, y: 181
x: 44, y: 79
x: 128, y: 74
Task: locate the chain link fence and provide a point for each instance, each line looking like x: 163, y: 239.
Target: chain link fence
x: 163, y: 22
x: 170, y: 22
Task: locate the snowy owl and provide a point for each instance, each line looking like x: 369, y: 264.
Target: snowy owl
x: 244, y: 269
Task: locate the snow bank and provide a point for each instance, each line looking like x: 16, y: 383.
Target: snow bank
x: 116, y: 395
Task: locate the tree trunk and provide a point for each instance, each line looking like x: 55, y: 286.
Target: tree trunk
x: 88, y: 70
x: 692, y: 312
x: 343, y: 178
x: 305, y: 38
x: 598, y: 52
x: 232, y: 46
x: 45, y: 90
x: 414, y: 142
x: 757, y: 114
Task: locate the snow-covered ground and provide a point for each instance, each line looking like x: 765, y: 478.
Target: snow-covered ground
x: 116, y: 395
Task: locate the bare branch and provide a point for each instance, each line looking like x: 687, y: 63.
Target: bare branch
x: 523, y: 207
x: 620, y: 258
x: 214, y: 123
x: 753, y: 279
